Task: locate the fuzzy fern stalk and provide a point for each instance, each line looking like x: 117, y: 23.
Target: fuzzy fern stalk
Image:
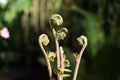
x: 62, y: 62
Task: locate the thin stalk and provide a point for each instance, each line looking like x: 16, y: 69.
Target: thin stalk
x: 57, y: 45
x: 61, y: 58
x: 57, y: 51
x: 47, y: 60
x: 61, y: 61
x: 78, y: 60
x: 57, y: 48
x: 77, y: 64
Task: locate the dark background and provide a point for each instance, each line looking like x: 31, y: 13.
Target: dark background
x: 99, y: 20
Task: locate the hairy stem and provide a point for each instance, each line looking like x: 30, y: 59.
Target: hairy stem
x: 78, y: 59
x: 47, y: 60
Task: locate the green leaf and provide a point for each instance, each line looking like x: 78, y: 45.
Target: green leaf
x: 65, y: 75
x: 67, y: 70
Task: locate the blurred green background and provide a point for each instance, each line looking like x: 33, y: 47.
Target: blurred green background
x: 99, y: 20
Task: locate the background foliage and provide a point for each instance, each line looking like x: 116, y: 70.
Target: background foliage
x: 99, y: 20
